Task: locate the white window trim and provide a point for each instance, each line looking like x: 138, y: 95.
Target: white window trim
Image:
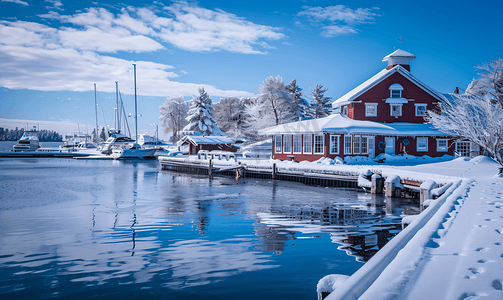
x: 350, y: 147
x: 276, y: 144
x: 322, y: 144
x: 293, y: 143
x: 361, y: 143
x: 304, y: 139
x: 416, y: 105
x: 417, y: 144
x: 338, y: 143
x: 359, y: 137
x: 285, y: 138
x: 375, y: 109
x: 446, y: 145
x: 391, y: 109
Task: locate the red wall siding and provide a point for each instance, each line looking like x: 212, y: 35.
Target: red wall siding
x: 410, y: 148
x: 381, y: 91
x: 210, y: 147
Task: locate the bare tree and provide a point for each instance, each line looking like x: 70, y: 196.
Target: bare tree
x: 173, y: 114
x: 489, y: 85
x: 276, y: 99
x: 476, y: 119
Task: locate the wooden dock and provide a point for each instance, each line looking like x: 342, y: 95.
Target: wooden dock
x: 330, y: 179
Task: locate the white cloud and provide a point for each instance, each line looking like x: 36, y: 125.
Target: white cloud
x: 40, y: 57
x: 338, y: 19
x: 55, y: 4
x: 17, y: 2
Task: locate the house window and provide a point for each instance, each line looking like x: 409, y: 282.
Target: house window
x: 395, y: 91
x: 371, y: 109
x: 297, y: 144
x: 422, y: 144
x: 396, y: 110
x: 334, y: 144
x: 278, y: 144
x: 356, y: 144
x: 318, y: 144
x: 364, y: 145
x: 442, y: 145
x: 308, y: 143
x: 287, y: 144
x: 463, y: 148
x: 347, y: 144
x: 345, y: 110
x: 420, y: 109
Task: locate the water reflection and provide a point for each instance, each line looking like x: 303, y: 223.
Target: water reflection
x: 176, y: 235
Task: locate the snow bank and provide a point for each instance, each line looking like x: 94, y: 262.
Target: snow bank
x: 400, y: 253
x: 329, y: 283
x: 394, y: 277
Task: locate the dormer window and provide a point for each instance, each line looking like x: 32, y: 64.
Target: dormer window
x: 395, y: 90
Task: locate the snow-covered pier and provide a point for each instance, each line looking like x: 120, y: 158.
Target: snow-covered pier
x: 265, y: 169
x: 307, y: 173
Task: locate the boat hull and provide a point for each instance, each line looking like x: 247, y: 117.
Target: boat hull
x: 133, y: 153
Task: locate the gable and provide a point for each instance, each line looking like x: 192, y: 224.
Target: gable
x: 377, y: 79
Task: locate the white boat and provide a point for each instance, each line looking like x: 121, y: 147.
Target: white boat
x: 116, y: 140
x: 132, y: 149
x: 28, y: 142
x: 78, y: 141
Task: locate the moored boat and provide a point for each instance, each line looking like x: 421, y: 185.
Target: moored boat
x: 28, y: 142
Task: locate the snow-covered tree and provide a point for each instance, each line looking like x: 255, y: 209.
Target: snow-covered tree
x: 276, y: 100
x: 257, y: 117
x: 173, y: 114
x: 320, y: 104
x: 200, y: 115
x: 490, y: 84
x: 474, y: 118
x: 230, y: 115
x: 300, y: 105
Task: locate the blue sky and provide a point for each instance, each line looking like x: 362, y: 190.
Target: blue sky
x: 53, y: 51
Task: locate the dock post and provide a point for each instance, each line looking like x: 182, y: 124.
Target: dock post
x: 390, y: 189
x: 425, y: 191
x: 377, y: 184
x: 274, y: 171
x: 210, y: 168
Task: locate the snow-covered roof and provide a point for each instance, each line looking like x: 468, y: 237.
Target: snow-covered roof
x: 338, y: 123
x: 335, y: 123
x: 399, y: 53
x: 377, y: 78
x: 415, y: 129
x: 199, y: 140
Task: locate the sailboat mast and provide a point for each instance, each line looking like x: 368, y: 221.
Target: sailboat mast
x: 135, y: 107
x: 96, y: 112
x: 117, y: 116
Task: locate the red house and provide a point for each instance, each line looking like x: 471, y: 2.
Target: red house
x: 385, y: 114
x: 192, y: 144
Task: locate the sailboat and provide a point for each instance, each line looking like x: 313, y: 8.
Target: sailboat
x: 133, y: 149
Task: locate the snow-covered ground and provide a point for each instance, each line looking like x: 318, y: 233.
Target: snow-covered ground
x: 458, y: 254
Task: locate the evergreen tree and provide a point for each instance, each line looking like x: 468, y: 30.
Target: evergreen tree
x: 320, y: 104
x: 103, y: 135
x: 300, y: 106
x: 200, y: 115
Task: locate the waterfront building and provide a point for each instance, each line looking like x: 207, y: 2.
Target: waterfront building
x: 384, y: 114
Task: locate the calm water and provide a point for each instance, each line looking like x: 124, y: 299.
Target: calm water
x: 84, y: 229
